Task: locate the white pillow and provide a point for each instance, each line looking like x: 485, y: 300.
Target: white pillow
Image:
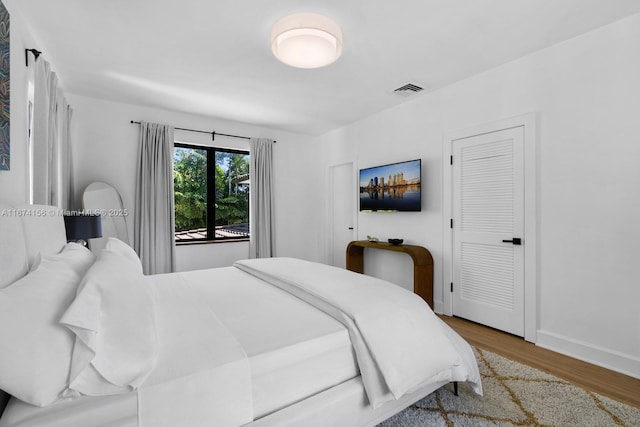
x: 75, y: 254
x: 44, y: 230
x: 113, y: 318
x: 35, y: 350
x: 125, y: 251
x: 13, y: 252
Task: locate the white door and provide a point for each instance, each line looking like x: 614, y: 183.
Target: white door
x: 342, y: 212
x: 488, y: 229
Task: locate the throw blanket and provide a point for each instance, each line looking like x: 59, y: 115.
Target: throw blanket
x: 399, y: 342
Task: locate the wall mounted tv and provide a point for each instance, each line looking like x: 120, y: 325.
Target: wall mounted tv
x: 391, y: 188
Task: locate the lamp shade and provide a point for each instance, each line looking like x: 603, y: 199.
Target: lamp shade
x: 306, y: 40
x: 82, y: 227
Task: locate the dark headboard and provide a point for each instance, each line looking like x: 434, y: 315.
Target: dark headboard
x: 4, y: 398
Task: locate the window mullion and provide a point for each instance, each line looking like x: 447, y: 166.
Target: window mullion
x: 211, y: 194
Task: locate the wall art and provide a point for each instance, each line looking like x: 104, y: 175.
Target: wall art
x: 4, y: 88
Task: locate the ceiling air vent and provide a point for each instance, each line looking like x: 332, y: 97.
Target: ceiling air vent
x: 408, y: 89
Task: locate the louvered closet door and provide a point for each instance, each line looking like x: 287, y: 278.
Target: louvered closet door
x: 488, y: 207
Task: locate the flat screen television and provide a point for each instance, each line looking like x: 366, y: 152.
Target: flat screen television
x: 391, y: 188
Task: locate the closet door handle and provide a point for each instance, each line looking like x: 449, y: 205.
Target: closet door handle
x: 515, y: 241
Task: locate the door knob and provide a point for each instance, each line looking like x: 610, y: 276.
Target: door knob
x: 515, y: 241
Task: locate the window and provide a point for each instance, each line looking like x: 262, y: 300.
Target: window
x: 211, y: 189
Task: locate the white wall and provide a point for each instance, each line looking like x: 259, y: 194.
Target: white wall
x: 105, y: 145
x: 105, y: 149
x: 403, y: 133
x: 586, y: 92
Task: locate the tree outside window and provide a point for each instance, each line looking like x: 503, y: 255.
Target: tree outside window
x: 211, y: 187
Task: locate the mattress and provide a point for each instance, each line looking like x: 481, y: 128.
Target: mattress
x: 294, y: 350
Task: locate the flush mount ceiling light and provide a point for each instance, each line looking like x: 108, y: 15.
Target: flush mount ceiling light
x: 306, y: 40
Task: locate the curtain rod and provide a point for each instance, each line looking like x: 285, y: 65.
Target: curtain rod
x: 213, y: 133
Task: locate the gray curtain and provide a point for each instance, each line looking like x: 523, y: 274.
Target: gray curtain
x: 262, y: 244
x: 154, y: 216
x: 52, y: 169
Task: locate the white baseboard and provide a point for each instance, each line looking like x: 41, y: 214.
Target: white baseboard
x: 616, y: 361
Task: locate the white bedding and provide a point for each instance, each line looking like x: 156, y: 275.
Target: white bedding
x: 202, y: 376
x: 233, y: 348
x: 399, y: 343
x: 294, y: 351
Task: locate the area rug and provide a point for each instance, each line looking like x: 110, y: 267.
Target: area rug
x: 515, y: 395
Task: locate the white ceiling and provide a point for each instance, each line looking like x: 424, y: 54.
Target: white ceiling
x: 213, y: 57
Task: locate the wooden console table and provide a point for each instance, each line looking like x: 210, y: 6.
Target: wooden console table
x: 422, y: 264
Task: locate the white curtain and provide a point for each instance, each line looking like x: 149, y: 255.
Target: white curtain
x: 52, y: 168
x: 67, y: 179
x: 154, y: 215
x: 262, y: 244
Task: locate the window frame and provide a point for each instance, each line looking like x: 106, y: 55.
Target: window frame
x: 211, y: 194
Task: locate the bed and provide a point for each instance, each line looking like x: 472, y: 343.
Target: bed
x: 88, y: 340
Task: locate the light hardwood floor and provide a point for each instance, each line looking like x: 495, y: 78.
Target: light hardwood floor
x: 590, y: 377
